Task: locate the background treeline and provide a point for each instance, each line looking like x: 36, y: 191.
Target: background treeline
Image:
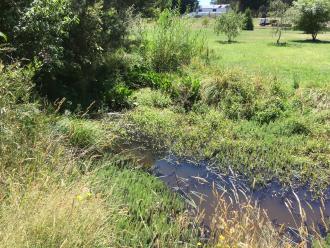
x: 258, y: 7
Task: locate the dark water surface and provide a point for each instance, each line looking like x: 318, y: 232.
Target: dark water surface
x: 199, y: 184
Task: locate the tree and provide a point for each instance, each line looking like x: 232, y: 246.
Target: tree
x: 248, y: 20
x: 185, y: 6
x: 10, y: 13
x: 146, y: 7
x: 230, y: 24
x: 312, y: 16
x: 71, y: 41
x: 278, y: 10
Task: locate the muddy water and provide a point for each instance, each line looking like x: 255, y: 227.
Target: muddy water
x: 199, y: 185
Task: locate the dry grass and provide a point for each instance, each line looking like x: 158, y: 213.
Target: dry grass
x: 62, y: 217
x: 238, y: 222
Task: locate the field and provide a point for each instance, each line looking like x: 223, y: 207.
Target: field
x: 255, y: 51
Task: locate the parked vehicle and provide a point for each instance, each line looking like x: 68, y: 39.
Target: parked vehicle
x: 210, y: 10
x: 264, y: 22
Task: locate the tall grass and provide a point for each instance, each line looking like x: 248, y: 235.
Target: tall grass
x: 51, y: 193
x: 67, y: 216
x: 251, y: 123
x: 171, y: 43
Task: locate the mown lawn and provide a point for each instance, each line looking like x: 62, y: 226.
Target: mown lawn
x: 298, y: 60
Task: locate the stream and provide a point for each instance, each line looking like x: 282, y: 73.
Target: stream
x: 200, y: 185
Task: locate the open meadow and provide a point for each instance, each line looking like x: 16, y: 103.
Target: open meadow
x: 299, y: 59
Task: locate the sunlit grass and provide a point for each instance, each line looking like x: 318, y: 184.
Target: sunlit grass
x: 256, y: 52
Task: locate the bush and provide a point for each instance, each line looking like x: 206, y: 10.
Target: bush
x: 230, y: 92
x: 83, y: 133
x: 205, y: 22
x: 269, y: 110
x: 151, y: 98
x: 230, y: 24
x: 186, y: 91
x: 118, y: 96
x: 312, y: 16
x: 172, y: 43
x: 248, y: 20
x: 71, y: 46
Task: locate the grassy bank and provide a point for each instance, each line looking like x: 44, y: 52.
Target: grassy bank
x: 285, y: 138
x: 60, y: 186
x: 258, y: 108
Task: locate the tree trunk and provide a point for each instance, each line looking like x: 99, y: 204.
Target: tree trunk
x: 279, y: 37
x: 314, y: 37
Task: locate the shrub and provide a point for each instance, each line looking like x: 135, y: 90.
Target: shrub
x: 186, y: 91
x: 71, y: 46
x: 231, y: 93
x: 118, y: 96
x: 83, y: 133
x: 248, y: 20
x: 269, y: 110
x: 230, y: 24
x: 296, y: 126
x: 155, y: 80
x: 205, y: 22
x: 312, y: 16
x: 151, y: 98
x: 172, y: 43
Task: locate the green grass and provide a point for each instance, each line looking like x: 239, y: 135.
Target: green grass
x: 61, y: 187
x: 152, y: 214
x: 256, y: 52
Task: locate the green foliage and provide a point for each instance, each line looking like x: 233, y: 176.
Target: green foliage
x: 10, y: 13
x: 72, y: 45
x: 322, y: 243
x: 185, y: 6
x: 279, y: 10
x: 186, y: 91
x: 3, y: 36
x: 172, y: 43
x: 83, y: 133
x: 118, y: 96
x: 148, y: 8
x: 269, y: 110
x: 151, y: 98
x: 205, y: 22
x: 312, y: 16
x: 230, y: 24
x: 157, y: 80
x: 248, y: 20
x: 230, y: 92
x: 153, y: 215
x: 45, y: 30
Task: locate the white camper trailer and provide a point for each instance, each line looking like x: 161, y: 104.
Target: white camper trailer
x: 211, y: 10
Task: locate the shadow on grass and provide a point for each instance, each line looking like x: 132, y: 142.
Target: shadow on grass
x: 311, y: 41
x: 228, y: 42
x: 283, y: 44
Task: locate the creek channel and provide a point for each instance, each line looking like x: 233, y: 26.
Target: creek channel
x: 201, y: 185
